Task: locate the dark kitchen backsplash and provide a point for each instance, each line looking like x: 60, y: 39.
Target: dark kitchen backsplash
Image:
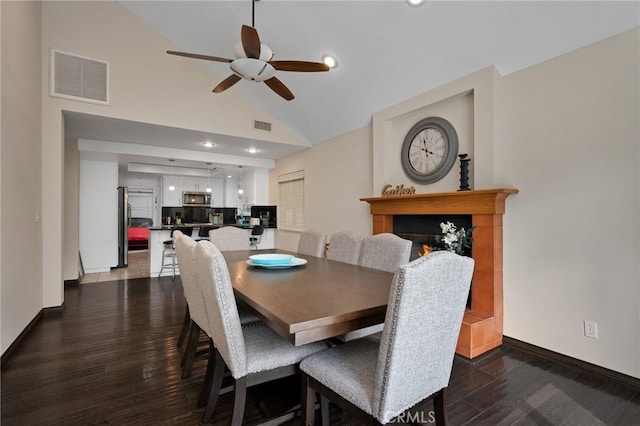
x: 198, y: 214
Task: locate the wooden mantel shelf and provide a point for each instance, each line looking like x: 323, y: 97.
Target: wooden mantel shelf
x: 482, y: 201
x: 482, y: 324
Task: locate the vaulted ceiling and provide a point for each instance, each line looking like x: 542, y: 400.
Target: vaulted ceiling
x: 387, y: 51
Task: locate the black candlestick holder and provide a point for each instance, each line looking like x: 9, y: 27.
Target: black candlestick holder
x: 464, y: 172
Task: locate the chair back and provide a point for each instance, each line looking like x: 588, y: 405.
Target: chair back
x: 185, y: 252
x: 220, y: 303
x: 257, y: 230
x: 204, y: 231
x: 229, y: 238
x: 385, y: 251
x: 345, y: 247
x: 312, y: 243
x: 424, y: 314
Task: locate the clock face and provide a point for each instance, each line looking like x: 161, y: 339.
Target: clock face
x: 429, y: 150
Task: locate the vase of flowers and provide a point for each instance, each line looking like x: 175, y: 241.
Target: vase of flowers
x: 456, y: 240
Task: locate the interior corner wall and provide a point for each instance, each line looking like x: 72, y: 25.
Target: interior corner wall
x: 20, y: 153
x: 571, y: 129
x: 70, y: 267
x: 337, y: 173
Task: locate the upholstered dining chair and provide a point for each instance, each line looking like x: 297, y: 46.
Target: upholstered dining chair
x: 229, y: 238
x: 195, y: 312
x: 312, y: 243
x: 345, y: 246
x: 379, y: 379
x: 254, y: 354
x: 386, y: 252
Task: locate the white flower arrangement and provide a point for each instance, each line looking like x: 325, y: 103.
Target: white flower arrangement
x: 457, y: 241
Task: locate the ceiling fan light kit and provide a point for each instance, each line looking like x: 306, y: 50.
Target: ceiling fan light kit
x: 254, y: 62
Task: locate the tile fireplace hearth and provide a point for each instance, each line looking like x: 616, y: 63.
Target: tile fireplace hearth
x: 482, y: 324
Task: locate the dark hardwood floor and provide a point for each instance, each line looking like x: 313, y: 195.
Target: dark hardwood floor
x: 110, y: 358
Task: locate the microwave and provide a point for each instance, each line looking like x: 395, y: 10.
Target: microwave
x: 196, y: 199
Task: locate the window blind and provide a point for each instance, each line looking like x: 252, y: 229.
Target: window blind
x: 291, y: 201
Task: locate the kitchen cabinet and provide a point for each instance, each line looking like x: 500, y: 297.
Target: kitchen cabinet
x: 171, y: 198
x: 194, y: 184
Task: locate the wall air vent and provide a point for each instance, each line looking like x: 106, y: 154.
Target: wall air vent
x: 78, y: 78
x: 262, y: 125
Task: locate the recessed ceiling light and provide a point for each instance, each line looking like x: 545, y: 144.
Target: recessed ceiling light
x: 208, y: 144
x: 330, y: 61
x: 252, y: 150
x: 229, y: 177
x: 416, y: 3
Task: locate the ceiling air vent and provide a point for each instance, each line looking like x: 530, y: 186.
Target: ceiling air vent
x: 262, y: 125
x: 82, y: 79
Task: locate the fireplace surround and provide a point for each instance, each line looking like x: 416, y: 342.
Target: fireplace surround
x: 481, y: 328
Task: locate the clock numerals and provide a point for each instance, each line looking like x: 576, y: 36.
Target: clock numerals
x: 426, y: 151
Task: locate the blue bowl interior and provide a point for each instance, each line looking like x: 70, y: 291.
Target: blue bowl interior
x: 271, y: 259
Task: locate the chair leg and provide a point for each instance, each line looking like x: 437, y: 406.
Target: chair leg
x: 216, y: 385
x: 190, y: 350
x: 307, y: 403
x: 208, y: 376
x: 185, y: 327
x: 324, y: 410
x: 439, y: 403
x: 239, y: 401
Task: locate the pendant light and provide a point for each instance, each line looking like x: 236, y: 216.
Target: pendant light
x: 171, y: 187
x: 208, y: 178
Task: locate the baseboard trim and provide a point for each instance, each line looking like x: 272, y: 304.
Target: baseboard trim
x: 16, y: 343
x: 71, y: 283
x: 573, y: 362
x: 54, y: 311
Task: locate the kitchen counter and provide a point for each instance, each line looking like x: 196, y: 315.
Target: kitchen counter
x: 198, y: 225
x: 159, y: 234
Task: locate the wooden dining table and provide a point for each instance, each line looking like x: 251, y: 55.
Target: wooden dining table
x: 311, y: 302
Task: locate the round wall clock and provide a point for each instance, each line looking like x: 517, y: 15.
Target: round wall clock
x: 429, y: 150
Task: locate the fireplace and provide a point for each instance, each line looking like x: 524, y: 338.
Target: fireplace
x: 481, y: 328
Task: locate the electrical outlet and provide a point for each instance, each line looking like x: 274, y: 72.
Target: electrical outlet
x: 591, y: 329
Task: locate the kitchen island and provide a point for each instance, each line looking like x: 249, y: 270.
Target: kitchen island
x: 158, y: 234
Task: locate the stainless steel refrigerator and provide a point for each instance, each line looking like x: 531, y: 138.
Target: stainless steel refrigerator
x: 124, y: 219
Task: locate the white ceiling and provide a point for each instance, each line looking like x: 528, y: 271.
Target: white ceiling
x: 387, y: 52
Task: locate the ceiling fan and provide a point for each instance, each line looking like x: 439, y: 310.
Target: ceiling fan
x: 254, y: 62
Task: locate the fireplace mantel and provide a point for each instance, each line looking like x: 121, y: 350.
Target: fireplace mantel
x: 482, y: 324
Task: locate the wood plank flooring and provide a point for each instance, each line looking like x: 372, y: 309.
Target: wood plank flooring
x: 110, y: 358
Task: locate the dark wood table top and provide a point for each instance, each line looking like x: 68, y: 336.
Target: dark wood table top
x: 308, y: 303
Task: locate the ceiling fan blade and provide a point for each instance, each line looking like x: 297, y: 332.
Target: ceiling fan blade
x: 250, y: 41
x: 198, y: 56
x: 279, y: 87
x: 226, y: 83
x: 301, y: 66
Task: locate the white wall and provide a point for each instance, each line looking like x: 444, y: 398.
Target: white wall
x: 138, y: 67
x: 20, y: 175
x: 337, y: 174
x: 571, y: 237
x: 566, y: 134
x: 98, y: 215
x: 71, y: 210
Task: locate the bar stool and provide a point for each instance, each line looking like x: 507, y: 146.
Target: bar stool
x: 256, y: 236
x: 169, y: 252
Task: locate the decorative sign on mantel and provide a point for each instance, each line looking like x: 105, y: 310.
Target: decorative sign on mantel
x: 388, y: 191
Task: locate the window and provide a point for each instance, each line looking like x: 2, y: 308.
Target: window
x: 291, y: 201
